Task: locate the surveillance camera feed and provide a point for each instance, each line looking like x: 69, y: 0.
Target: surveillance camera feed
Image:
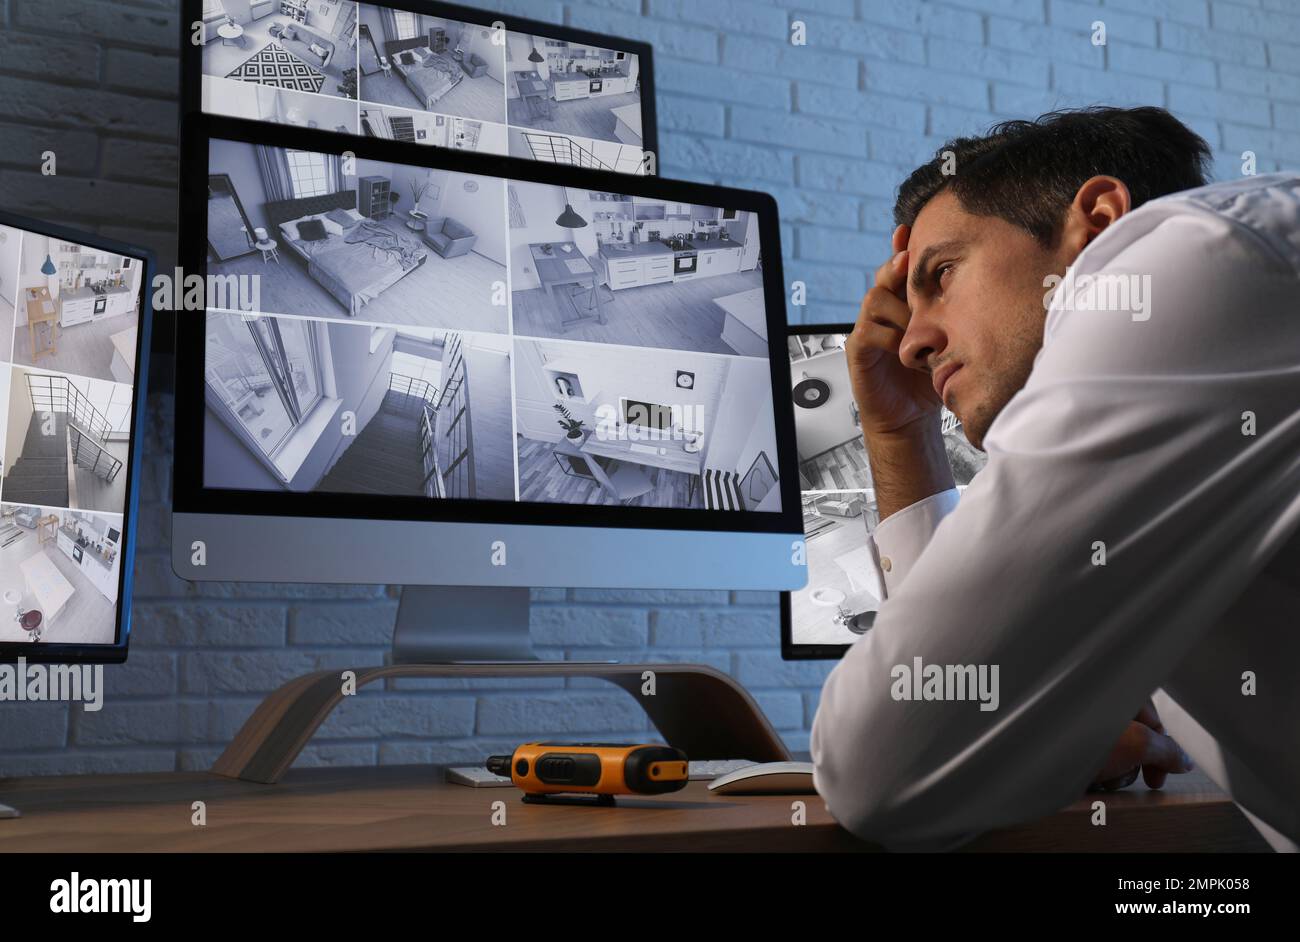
x: 843, y: 593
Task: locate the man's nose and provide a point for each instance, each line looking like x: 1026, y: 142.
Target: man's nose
x: 923, y: 340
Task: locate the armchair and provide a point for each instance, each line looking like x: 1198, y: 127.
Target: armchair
x: 474, y: 65
x: 448, y: 237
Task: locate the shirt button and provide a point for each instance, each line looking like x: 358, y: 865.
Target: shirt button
x: 886, y: 564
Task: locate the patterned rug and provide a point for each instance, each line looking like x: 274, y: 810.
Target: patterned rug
x: 276, y: 66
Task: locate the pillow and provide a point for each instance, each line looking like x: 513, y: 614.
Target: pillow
x: 318, y: 49
x: 340, y: 218
x: 406, y: 59
x: 290, y: 228
x: 290, y: 32
x: 313, y: 230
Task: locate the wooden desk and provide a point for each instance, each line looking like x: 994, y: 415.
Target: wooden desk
x: 553, y: 270
x: 411, y: 808
x: 41, y: 309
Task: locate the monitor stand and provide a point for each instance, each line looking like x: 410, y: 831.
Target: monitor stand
x: 466, y: 632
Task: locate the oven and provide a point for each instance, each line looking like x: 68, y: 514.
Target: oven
x: 101, y: 304
x: 76, y: 554
x: 596, y: 86
x: 684, y: 263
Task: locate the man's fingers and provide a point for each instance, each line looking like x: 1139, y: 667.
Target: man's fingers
x: 1160, y: 756
x: 878, y: 336
x: 884, y: 307
x: 900, y: 237
x: 892, y: 275
x: 1148, y: 716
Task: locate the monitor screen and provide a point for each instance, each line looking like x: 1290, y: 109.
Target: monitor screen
x: 838, y: 502
x: 70, y: 345
x: 388, y: 329
x: 430, y: 73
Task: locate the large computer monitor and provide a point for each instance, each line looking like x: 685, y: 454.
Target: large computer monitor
x: 75, y: 322
x: 436, y: 74
x: 457, y: 398
x: 838, y: 503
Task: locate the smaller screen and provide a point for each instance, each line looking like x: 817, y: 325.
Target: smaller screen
x: 69, y: 316
x: 381, y: 71
x: 843, y: 593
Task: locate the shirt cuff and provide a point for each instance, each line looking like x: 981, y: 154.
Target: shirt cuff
x: 900, y: 538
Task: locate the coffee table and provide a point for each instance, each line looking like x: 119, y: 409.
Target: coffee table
x: 231, y: 33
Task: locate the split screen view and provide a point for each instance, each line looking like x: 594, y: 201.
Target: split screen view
x: 361, y: 68
x: 481, y: 338
x: 69, y: 316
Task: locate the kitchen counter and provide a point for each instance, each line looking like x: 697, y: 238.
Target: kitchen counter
x: 628, y: 126
x: 87, y: 552
x: 78, y: 294
x: 634, y: 250
x: 582, y: 76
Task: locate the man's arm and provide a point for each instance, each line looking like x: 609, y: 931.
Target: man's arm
x: 1100, y: 542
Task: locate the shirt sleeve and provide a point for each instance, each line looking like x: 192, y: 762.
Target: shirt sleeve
x: 1124, y: 505
x: 900, y: 537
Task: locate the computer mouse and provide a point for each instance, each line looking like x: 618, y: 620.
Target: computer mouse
x: 767, y: 778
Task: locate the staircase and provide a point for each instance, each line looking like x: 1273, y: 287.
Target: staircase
x: 385, y: 457
x: 557, y: 149
x: 40, y: 476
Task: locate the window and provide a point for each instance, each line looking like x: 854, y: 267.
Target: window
x: 406, y: 25
x: 266, y: 372
x: 308, y: 173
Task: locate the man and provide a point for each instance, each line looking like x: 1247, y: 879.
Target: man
x: 1137, y: 526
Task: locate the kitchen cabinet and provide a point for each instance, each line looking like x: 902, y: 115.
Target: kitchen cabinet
x: 677, y: 210
x: 569, y: 89
x: 78, y: 310
x: 704, y: 213
x: 634, y: 272
x: 719, y: 261
x: 647, y: 210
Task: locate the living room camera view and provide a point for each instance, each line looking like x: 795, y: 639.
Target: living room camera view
x: 363, y: 68
x: 384, y: 352
x: 839, y: 501
x: 69, y: 316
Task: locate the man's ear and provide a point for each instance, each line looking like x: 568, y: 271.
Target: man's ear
x: 1098, y: 204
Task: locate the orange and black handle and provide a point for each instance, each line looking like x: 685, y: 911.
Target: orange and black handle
x: 551, y: 768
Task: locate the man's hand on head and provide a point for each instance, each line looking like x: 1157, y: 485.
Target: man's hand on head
x: 1143, y: 744
x: 898, y: 406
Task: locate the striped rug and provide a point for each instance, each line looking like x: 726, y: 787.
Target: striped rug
x: 722, y: 490
x: 274, y: 65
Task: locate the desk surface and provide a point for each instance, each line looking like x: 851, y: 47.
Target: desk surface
x: 412, y: 808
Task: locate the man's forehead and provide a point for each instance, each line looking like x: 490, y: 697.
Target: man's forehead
x: 941, y: 219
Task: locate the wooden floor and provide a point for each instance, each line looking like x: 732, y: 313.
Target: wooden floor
x: 844, y: 467
x: 673, y: 316
x: 483, y: 97
x: 492, y: 422
x: 83, y: 349
x: 94, y: 493
x: 814, y: 622
x: 86, y: 618
x: 580, y: 117
x: 443, y: 292
x: 541, y: 479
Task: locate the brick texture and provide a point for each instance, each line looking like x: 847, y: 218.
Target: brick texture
x: 829, y: 128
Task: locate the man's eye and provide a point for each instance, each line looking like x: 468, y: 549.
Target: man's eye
x: 941, y: 271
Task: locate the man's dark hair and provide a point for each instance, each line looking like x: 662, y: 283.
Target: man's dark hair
x: 1028, y: 172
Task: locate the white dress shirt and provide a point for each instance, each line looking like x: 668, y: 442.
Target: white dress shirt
x: 1128, y: 433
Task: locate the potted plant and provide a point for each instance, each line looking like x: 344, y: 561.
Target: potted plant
x: 572, y: 427
x: 348, y: 87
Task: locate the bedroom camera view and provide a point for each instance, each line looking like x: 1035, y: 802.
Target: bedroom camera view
x: 386, y: 354
x: 69, y: 315
x: 839, y: 503
x: 362, y: 68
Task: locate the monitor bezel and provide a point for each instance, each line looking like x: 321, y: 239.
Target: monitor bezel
x: 790, y: 651
x: 53, y: 652
x: 191, y: 71
x: 190, y: 496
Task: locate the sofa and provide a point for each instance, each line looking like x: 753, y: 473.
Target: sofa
x: 27, y: 517
x: 448, y: 237
x: 298, y: 40
x: 474, y: 65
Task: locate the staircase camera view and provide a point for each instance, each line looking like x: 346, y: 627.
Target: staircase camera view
x: 385, y: 352
x: 363, y: 68
x: 69, y: 316
x: 839, y: 502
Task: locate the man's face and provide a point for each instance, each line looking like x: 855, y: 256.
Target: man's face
x: 975, y: 290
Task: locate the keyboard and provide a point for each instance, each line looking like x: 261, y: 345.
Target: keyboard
x: 706, y: 770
